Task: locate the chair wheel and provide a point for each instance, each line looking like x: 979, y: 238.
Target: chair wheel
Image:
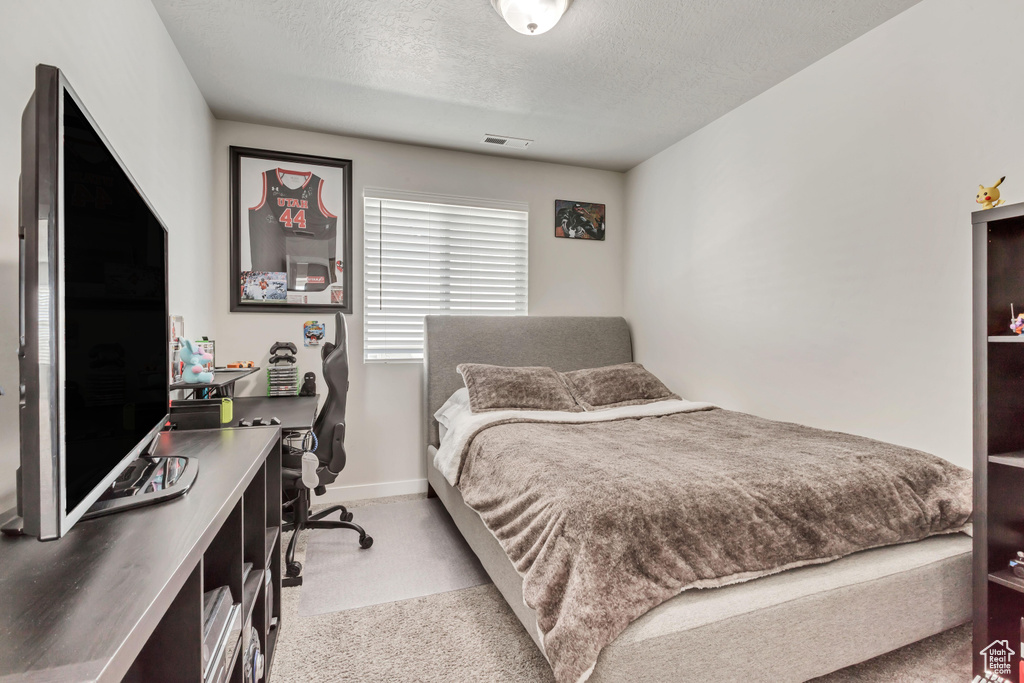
x: 347, y: 517
x: 365, y: 542
x: 294, y: 569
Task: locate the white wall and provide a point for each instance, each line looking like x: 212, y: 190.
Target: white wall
x: 808, y: 256
x: 121, y: 62
x: 385, y: 418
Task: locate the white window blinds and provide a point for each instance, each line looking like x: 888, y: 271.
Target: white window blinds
x: 427, y: 254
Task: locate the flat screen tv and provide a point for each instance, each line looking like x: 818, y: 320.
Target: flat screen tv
x: 94, y: 317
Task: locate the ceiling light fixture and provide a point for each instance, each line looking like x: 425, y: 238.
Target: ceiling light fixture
x: 531, y: 17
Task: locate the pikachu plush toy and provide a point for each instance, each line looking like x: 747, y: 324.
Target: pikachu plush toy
x: 988, y: 197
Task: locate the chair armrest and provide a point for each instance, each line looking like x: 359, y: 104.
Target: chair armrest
x: 337, y: 461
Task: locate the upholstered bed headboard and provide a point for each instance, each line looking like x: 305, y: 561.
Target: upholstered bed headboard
x: 563, y: 343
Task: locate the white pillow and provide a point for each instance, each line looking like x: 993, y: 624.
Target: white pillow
x: 456, y: 403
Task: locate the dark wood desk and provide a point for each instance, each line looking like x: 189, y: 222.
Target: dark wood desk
x: 295, y: 412
x: 120, y: 597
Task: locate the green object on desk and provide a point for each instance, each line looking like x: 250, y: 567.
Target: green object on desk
x: 226, y: 410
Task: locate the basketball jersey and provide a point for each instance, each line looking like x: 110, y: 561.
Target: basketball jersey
x: 289, y: 212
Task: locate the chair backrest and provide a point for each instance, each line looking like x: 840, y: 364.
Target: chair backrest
x: 329, y: 426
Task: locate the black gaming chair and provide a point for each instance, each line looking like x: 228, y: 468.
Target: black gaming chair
x: 329, y: 429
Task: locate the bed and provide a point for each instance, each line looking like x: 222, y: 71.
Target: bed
x: 791, y: 626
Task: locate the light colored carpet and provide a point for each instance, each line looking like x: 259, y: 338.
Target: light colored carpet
x: 944, y: 658
x: 417, y: 550
x: 472, y: 635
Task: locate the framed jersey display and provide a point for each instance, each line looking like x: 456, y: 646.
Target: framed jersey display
x: 291, y: 232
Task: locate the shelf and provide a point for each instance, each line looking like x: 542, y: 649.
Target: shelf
x: 221, y: 378
x: 272, y: 534
x: 1012, y: 459
x: 1018, y: 338
x: 235, y: 653
x: 271, y: 649
x: 249, y: 592
x: 1005, y: 577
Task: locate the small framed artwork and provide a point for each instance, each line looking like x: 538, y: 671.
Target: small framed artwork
x: 291, y: 232
x: 579, y: 220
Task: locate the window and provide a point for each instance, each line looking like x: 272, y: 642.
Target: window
x: 429, y: 254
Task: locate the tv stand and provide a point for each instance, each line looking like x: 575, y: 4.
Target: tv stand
x: 120, y: 597
x: 146, y: 481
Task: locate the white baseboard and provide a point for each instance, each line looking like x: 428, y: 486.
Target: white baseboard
x: 342, y: 494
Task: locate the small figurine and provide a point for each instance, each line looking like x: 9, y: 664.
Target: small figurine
x: 194, y: 357
x: 1016, y: 323
x: 1017, y: 564
x: 988, y: 197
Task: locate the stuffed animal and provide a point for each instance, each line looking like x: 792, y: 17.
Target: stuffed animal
x: 988, y: 197
x: 194, y: 358
x: 308, y: 387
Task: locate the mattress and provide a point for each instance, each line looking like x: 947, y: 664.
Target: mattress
x: 788, y: 627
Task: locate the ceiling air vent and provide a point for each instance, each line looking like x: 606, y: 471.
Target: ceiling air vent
x: 506, y: 141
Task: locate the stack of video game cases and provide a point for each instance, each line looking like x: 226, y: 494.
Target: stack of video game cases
x: 282, y: 381
x: 282, y: 373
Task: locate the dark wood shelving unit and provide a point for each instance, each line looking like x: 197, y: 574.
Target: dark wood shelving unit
x: 1015, y: 459
x: 1006, y: 577
x: 123, y: 600
x: 998, y: 430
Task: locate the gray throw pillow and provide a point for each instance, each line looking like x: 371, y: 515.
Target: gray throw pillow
x: 493, y: 387
x: 616, y: 385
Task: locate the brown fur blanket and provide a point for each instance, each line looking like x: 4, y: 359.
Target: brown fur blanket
x: 606, y: 520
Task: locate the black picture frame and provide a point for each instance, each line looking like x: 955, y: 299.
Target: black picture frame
x: 298, y: 163
x: 579, y: 220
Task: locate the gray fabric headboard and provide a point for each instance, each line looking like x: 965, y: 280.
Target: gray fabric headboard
x: 562, y: 343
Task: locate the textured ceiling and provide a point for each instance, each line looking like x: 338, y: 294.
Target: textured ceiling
x: 615, y: 82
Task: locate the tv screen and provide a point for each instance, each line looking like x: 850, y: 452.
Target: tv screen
x: 115, y: 322
x: 94, y: 320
